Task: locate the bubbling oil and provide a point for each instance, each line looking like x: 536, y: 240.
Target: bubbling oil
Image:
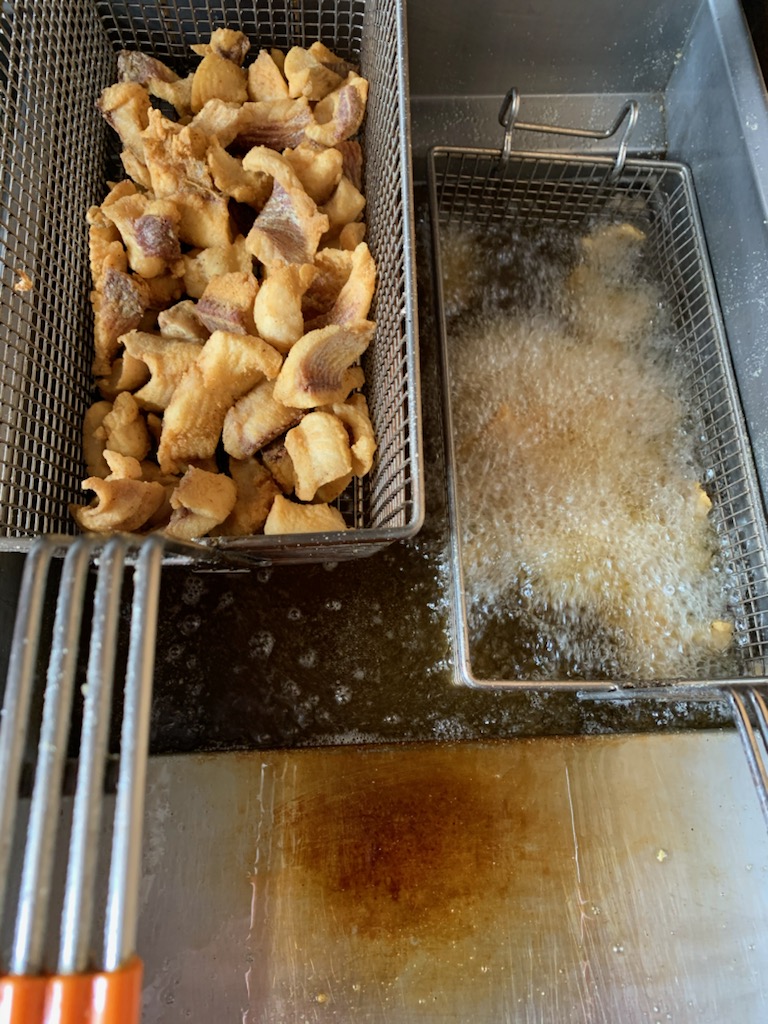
x: 588, y: 543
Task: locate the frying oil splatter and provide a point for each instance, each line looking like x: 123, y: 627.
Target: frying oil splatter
x: 589, y: 549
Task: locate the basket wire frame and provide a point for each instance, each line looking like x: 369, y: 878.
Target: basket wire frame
x: 56, y: 154
x: 473, y: 188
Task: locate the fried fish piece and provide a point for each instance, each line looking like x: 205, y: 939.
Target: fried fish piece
x: 201, y: 501
x: 345, y: 206
x: 255, y: 420
x: 265, y: 79
x: 332, y: 270
x: 232, y: 178
x: 318, y: 369
x: 125, y: 431
x: 166, y: 360
x: 126, y: 107
x: 353, y: 413
x: 331, y: 60
x: 354, y: 299
x: 332, y: 490
x: 277, y: 310
x: 159, y: 79
x: 218, y: 78
x: 218, y: 120
x: 319, y: 450
x: 274, y: 123
x: 351, y: 235
x: 228, y: 366
x: 262, y: 160
x: 288, y: 229
x: 105, y: 246
x: 126, y: 374
x: 340, y: 114
x: 181, y: 322
x: 123, y: 501
x: 201, y: 266
x: 277, y: 460
x: 227, y: 303
x: 148, y: 228
x: 95, y: 438
x: 307, y: 76
x: 289, y: 517
x: 118, y: 307
x: 256, y: 490
x: 318, y: 169
x: 176, y: 158
x: 228, y: 43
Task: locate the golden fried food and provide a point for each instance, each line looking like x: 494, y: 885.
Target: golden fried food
x: 228, y: 366
x: 356, y: 294
x: 201, y: 501
x: 345, y: 206
x: 227, y: 303
x: 181, y: 322
x: 276, y: 123
x: 123, y: 501
x: 202, y: 265
x: 339, y: 116
x: 127, y: 374
x: 288, y: 229
x: 320, y: 453
x: 318, y: 170
x: 231, y: 177
x: 235, y: 240
x: 265, y: 79
x: 126, y: 107
x: 307, y: 76
x: 318, y: 369
x: 277, y: 460
x: 255, y: 420
x: 160, y: 80
x: 149, y: 231
x: 289, y: 517
x: 118, y: 306
x: 277, y: 310
x: 166, y: 360
x: 355, y: 416
x: 256, y: 490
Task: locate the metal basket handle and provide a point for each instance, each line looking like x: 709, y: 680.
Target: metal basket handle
x: 508, y: 119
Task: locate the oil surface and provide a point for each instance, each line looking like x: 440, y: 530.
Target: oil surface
x: 588, y: 545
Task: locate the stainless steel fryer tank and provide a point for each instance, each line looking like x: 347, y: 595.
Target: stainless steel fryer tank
x: 335, y: 656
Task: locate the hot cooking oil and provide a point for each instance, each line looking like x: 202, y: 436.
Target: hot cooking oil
x: 588, y: 540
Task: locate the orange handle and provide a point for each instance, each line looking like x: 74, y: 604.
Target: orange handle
x: 100, y: 998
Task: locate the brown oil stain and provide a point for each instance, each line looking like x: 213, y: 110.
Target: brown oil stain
x: 426, y: 843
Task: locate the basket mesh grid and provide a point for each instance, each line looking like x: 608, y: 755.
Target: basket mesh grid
x: 473, y: 188
x: 56, y: 154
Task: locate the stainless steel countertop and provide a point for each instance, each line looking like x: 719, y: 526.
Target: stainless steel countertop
x: 610, y: 879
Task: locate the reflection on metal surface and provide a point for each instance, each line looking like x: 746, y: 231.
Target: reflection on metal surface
x: 554, y: 880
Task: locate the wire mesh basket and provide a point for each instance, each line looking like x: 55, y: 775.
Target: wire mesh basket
x: 529, y: 190
x: 56, y: 154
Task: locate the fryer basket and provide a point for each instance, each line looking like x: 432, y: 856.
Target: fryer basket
x: 56, y: 155
x: 474, y: 188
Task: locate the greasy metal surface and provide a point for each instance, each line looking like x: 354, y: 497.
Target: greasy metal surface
x: 550, y: 881
x: 718, y: 123
x: 546, y: 47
